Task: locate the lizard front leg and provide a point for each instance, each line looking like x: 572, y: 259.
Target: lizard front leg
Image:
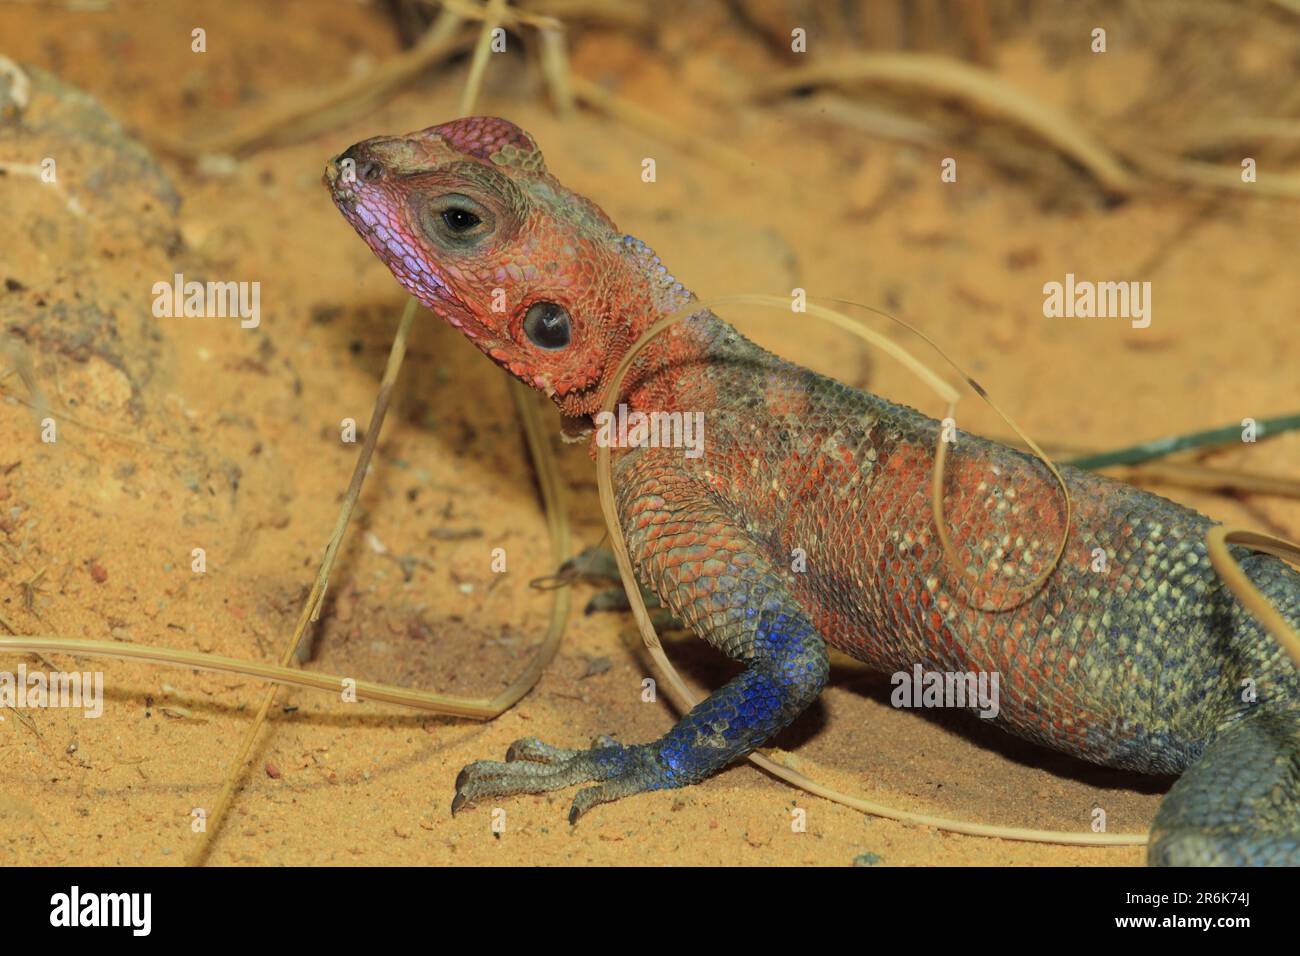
x: 707, y: 568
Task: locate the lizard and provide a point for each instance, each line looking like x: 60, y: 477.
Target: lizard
x: 1128, y: 651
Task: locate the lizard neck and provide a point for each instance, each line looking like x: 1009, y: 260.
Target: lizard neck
x: 673, y: 372
x: 684, y: 374
x: 682, y: 369
x: 692, y: 368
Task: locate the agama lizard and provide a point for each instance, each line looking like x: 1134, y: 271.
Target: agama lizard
x: 1131, y: 653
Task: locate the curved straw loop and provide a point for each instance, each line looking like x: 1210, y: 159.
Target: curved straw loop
x: 682, y: 695
x: 941, y: 458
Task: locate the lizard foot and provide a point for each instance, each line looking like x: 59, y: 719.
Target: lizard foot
x: 534, y: 767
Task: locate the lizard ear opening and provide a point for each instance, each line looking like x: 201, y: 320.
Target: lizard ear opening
x: 491, y: 139
x: 547, y: 326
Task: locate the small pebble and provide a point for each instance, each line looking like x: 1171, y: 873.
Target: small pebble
x: 597, y: 665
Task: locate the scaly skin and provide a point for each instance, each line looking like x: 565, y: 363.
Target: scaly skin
x: 1132, y: 654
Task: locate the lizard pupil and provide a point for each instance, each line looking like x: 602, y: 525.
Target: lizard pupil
x: 459, y: 220
x: 547, y: 325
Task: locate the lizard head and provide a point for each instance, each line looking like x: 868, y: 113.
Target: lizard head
x: 467, y: 218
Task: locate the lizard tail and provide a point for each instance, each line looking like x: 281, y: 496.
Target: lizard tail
x: 1239, y: 804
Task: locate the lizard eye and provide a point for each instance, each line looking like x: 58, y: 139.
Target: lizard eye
x: 456, y: 221
x: 459, y: 220
x: 547, y: 325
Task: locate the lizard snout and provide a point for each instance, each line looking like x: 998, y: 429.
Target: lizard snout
x: 356, y: 164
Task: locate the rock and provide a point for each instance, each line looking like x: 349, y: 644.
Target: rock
x: 92, y: 225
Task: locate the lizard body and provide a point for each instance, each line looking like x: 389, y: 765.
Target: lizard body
x: 1132, y: 653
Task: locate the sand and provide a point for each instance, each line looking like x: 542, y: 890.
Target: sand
x: 195, y: 433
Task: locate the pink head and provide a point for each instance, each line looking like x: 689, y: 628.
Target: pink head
x: 467, y: 218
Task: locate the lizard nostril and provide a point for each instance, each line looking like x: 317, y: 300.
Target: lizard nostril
x: 354, y: 165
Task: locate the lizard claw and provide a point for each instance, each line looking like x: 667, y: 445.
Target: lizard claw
x: 589, y: 797
x: 579, y: 807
